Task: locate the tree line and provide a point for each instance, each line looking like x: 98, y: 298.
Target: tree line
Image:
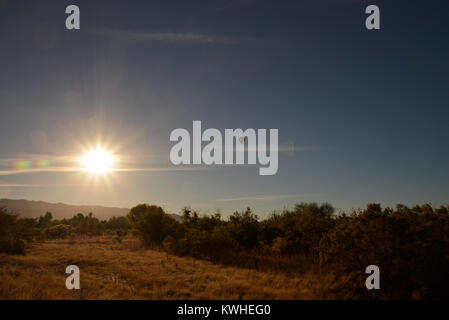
x: 16, y: 233
x: 410, y: 245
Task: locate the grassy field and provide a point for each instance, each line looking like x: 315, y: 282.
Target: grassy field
x: 110, y: 270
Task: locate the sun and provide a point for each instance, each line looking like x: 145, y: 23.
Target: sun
x: 98, y: 161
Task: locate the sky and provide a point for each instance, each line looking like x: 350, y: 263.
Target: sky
x: 362, y: 114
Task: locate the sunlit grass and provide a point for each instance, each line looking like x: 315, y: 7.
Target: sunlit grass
x: 126, y: 271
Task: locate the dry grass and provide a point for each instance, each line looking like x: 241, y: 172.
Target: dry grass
x: 126, y: 271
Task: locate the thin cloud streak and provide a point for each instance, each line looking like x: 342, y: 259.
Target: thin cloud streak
x: 70, y: 170
x: 6, y: 161
x: 38, y: 170
x: 161, y: 169
x: 264, y: 197
x: 281, y: 148
x: 164, y: 37
x: 22, y: 185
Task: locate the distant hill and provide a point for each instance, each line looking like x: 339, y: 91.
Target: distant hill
x: 34, y: 209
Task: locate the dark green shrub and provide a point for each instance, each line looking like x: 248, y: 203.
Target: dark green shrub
x: 45, y: 221
x: 244, y: 228
x: 217, y: 245
x: 152, y: 224
x: 117, y: 223
x: 59, y: 231
x: 15, y: 233
x: 410, y: 247
x: 85, y: 225
x: 119, y: 235
x: 299, y: 230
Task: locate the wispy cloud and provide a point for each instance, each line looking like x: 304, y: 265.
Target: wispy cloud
x: 289, y: 147
x: 164, y: 37
x: 195, y: 168
x: 38, y: 170
x: 72, y: 170
x: 264, y: 197
x: 12, y: 185
x: 25, y: 185
x: 6, y: 161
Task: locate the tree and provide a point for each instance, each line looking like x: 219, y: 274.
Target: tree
x: 15, y: 233
x: 151, y: 223
x: 244, y: 228
x: 45, y: 221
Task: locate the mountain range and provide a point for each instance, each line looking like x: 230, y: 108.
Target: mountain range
x: 34, y: 209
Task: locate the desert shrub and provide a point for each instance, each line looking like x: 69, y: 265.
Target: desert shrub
x: 120, y: 234
x: 88, y: 224
x: 59, y: 231
x: 151, y: 224
x: 209, y: 222
x: 299, y: 230
x: 117, y: 223
x: 216, y: 245
x: 190, y: 217
x: 85, y: 224
x: 45, y: 221
x: 243, y: 237
x: 170, y: 244
x: 280, y: 245
x: 15, y: 233
x: 305, y: 226
x: 410, y: 246
x: 270, y: 229
x: 244, y: 228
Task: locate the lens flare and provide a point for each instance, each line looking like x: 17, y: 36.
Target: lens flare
x: 23, y: 165
x: 43, y: 164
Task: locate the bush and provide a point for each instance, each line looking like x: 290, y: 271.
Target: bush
x: 216, y: 245
x: 45, y: 221
x: 410, y: 247
x: 85, y: 224
x: 117, y: 224
x: 151, y: 224
x: 244, y: 228
x: 59, y: 231
x: 299, y: 230
x: 15, y: 233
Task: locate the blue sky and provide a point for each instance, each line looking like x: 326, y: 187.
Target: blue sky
x: 362, y: 115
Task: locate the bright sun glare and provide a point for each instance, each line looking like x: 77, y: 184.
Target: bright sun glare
x: 98, y: 161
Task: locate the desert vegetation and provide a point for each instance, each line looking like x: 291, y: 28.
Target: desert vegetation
x: 308, y: 252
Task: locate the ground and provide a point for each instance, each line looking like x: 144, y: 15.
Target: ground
x: 111, y: 270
